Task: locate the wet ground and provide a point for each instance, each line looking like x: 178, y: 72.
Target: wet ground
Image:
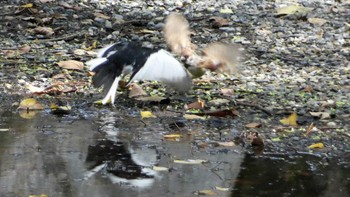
x: 112, y: 153
x: 291, y: 64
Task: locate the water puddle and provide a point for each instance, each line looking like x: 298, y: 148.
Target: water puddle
x: 111, y: 154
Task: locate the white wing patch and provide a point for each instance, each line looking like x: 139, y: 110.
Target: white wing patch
x: 104, y: 49
x: 162, y: 66
x: 111, y: 92
x: 95, y: 62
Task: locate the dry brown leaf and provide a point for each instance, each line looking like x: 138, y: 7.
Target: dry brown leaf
x: 321, y: 115
x: 199, y: 104
x: 100, y: 15
x: 48, y: 31
x: 34, y: 89
x: 317, y: 21
x: 227, y: 91
x: 217, y: 21
x: 71, y: 64
x: 226, y: 144
x: 136, y: 91
x: 24, y: 49
x: 253, y: 125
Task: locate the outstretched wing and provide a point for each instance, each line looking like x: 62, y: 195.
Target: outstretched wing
x: 163, y: 67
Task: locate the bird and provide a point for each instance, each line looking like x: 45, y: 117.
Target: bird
x: 217, y: 56
x: 117, y: 60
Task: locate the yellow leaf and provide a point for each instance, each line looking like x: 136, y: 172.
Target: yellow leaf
x: 206, y: 192
x: 276, y: 139
x: 27, y: 114
x: 41, y: 195
x: 317, y: 145
x: 222, y: 188
x: 193, y: 117
x: 30, y: 104
x: 29, y: 5
x: 190, y: 161
x: 291, y: 120
x: 160, y: 168
x: 147, y: 114
x: 172, y: 136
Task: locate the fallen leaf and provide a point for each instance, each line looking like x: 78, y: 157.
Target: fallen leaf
x: 276, y: 139
x: 34, y: 89
x: 172, y: 137
x: 226, y: 11
x: 253, y: 125
x: 41, y: 195
x: 292, y: 9
x: 321, y: 115
x: 308, y: 89
x: 222, y: 188
x: 160, y: 168
x: 30, y: 104
x: 199, y: 104
x: 190, y: 161
x: 27, y: 114
x: 317, y: 21
x: 317, y: 145
x: 29, y: 5
x: 291, y: 120
x: 218, y: 21
x: 60, y: 110
x: 24, y: 49
x: 100, y: 15
x: 206, y: 192
x: 227, y: 144
x: 79, y: 52
x: 227, y: 92
x: 48, y: 31
x: 71, y: 64
x: 193, y: 117
x: 136, y: 91
x: 147, y: 114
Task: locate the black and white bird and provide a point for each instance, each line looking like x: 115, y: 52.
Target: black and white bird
x: 117, y: 60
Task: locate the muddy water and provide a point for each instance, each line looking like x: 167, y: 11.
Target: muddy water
x: 112, y: 154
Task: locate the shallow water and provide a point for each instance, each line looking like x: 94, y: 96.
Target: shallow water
x: 113, y: 154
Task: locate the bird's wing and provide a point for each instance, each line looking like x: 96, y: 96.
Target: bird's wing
x: 221, y: 57
x: 177, y: 34
x: 162, y: 66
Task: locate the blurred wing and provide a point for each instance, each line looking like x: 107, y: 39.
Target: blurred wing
x: 221, y: 57
x: 177, y: 34
x: 162, y: 66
